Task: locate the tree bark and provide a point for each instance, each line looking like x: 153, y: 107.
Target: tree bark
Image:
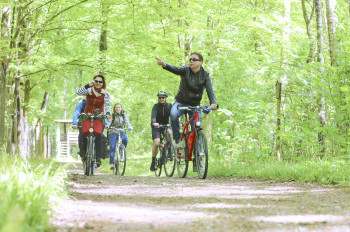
x: 308, y: 21
x: 321, y: 98
x: 4, y: 69
x: 103, y: 37
x: 331, y: 19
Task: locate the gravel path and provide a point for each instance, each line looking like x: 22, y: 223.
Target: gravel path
x: 108, y: 203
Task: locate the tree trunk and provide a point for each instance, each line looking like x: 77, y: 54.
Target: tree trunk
x: 308, y: 21
x: 331, y: 19
x: 321, y: 98
x: 4, y: 70
x: 103, y: 37
x: 64, y: 97
x: 39, y: 123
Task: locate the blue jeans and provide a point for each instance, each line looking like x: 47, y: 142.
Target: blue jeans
x: 113, y: 138
x: 174, y: 119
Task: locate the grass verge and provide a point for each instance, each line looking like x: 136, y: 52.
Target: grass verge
x: 28, y: 191
x: 316, y: 171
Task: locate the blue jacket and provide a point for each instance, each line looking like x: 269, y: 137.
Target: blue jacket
x: 78, y: 110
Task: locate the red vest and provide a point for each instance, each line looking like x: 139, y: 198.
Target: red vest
x: 93, y: 103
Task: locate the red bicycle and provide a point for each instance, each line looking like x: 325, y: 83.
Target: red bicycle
x: 194, y: 145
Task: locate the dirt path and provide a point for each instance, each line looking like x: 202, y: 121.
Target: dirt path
x: 108, y: 203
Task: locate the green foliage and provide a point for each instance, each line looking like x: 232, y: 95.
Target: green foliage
x: 28, y: 191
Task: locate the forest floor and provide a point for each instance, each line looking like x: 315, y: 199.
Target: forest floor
x: 111, y: 203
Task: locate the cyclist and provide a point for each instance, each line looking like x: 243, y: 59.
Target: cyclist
x: 97, y: 98
x: 78, y: 110
x: 115, y: 123
x: 160, y: 115
x: 194, y: 78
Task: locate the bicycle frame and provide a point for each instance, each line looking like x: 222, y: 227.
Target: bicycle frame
x: 190, y: 137
x: 90, y: 149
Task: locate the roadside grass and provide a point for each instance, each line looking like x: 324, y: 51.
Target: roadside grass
x: 317, y: 171
x: 28, y: 191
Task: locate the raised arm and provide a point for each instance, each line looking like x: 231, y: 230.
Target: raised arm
x: 171, y: 68
x: 83, y: 91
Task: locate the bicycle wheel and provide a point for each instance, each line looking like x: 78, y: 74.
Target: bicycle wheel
x: 121, y: 160
x: 201, y: 154
x: 89, y: 167
x: 170, y: 157
x: 158, y: 165
x: 182, y: 159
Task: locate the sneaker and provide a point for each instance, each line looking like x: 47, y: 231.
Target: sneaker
x: 98, y: 163
x: 112, y: 167
x: 152, y: 168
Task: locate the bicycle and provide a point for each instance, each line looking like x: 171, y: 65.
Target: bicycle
x: 90, y: 156
x: 166, y: 153
x: 195, y: 142
x: 119, y: 156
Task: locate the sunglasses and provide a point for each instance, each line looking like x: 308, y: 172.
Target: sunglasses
x: 98, y: 81
x: 161, y: 97
x: 194, y: 59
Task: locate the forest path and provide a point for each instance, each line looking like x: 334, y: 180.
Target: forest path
x: 111, y: 203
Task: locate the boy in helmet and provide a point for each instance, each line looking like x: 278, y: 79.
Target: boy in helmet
x: 160, y: 115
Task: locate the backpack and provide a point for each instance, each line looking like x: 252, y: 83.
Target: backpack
x: 105, y: 147
x: 113, y: 117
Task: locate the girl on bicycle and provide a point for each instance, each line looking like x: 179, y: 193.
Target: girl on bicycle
x: 97, y: 98
x: 115, y: 124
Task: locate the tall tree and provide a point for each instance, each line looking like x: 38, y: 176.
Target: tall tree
x: 4, y: 66
x: 320, y: 59
x: 331, y: 20
x: 308, y: 18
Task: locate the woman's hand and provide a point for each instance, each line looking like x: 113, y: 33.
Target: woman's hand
x: 91, y: 83
x: 213, y: 107
x: 160, y: 62
x: 130, y: 128
x: 108, y: 117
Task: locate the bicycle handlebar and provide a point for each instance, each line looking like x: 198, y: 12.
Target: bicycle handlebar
x: 118, y: 129
x: 163, y: 126
x: 89, y: 116
x: 206, y: 109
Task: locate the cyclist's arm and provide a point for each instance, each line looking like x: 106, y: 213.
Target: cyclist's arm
x: 109, y: 122
x: 127, y: 122
x: 175, y: 70
x: 107, y: 104
x: 210, y: 92
x: 83, y: 91
x: 77, y: 112
x: 154, y: 115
